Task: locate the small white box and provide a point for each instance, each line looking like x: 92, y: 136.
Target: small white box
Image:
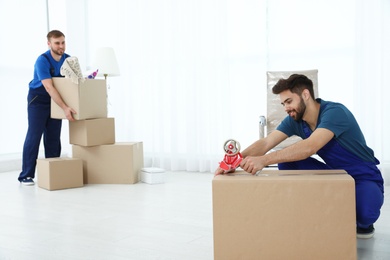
x: 152, y: 175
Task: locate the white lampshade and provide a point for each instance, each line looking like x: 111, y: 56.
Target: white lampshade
x: 105, y: 61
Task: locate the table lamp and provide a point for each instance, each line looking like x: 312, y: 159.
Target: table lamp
x: 105, y: 61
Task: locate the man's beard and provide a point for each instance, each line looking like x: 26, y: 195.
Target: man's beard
x: 59, y: 53
x: 300, y: 111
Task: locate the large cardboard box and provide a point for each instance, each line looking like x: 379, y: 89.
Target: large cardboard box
x: 117, y: 163
x: 284, y: 215
x: 90, y: 132
x: 88, y: 98
x: 60, y: 173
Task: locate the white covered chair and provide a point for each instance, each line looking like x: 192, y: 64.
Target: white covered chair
x: 275, y: 111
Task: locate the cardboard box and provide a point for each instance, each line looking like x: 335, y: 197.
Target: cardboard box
x: 90, y: 132
x: 285, y: 215
x: 88, y: 98
x: 60, y: 173
x: 117, y: 163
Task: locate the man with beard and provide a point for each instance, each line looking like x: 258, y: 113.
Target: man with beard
x: 328, y: 129
x: 41, y: 91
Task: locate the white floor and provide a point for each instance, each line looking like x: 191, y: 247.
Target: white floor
x: 141, y: 221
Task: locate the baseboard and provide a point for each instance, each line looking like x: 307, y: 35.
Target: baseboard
x: 13, y: 161
x: 10, y: 162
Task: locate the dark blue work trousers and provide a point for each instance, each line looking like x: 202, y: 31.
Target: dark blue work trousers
x: 39, y: 123
x: 368, y: 179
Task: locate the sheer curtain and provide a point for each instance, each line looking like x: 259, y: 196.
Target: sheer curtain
x: 315, y: 35
x: 372, y: 68
x: 193, y: 72
x: 190, y: 75
x: 22, y: 38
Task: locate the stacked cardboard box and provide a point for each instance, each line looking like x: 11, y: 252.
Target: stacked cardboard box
x: 117, y: 163
x: 91, y: 132
x: 284, y: 215
x: 60, y: 173
x: 92, y: 136
x: 88, y: 98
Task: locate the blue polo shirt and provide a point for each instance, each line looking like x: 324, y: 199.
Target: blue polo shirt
x: 338, y: 119
x: 42, y: 69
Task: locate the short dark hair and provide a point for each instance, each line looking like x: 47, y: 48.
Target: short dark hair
x: 296, y: 83
x: 54, y: 34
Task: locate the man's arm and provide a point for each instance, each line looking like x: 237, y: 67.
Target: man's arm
x: 48, y: 84
x: 263, y: 145
x: 260, y: 147
x: 298, y: 151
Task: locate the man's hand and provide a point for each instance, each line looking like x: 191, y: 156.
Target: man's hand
x: 219, y: 171
x: 69, y: 113
x: 253, y: 164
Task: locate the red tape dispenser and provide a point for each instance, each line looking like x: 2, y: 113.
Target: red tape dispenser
x: 233, y: 157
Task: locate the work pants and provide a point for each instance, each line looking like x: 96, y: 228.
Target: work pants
x: 39, y: 123
x: 368, y: 191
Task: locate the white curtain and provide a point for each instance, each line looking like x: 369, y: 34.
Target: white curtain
x: 23, y: 29
x: 372, y: 69
x: 193, y: 72
x: 190, y: 75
